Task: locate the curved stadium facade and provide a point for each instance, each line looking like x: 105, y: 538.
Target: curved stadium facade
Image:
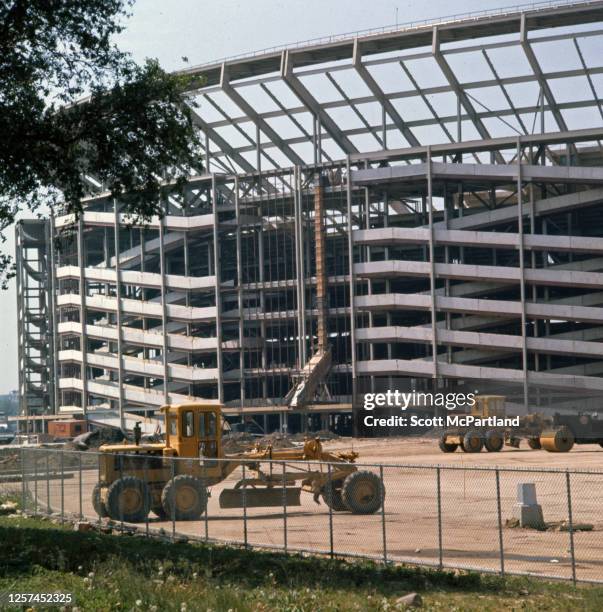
x: 418, y: 208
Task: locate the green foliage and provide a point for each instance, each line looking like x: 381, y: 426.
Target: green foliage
x: 132, y: 130
x: 125, y: 572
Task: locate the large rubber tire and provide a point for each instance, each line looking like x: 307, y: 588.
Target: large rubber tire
x: 97, y: 503
x: 363, y: 492
x: 534, y: 443
x: 129, y: 500
x: 445, y: 447
x: 331, y: 495
x: 184, y: 498
x: 494, y: 441
x: 472, y: 442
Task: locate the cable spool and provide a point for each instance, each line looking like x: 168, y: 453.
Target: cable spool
x: 557, y: 440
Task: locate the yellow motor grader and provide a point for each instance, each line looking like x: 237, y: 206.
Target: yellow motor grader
x: 172, y: 479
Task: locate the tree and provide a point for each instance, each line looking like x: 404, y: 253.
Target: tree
x: 132, y: 129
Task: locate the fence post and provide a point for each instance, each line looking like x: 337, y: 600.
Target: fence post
x: 500, y: 531
x: 98, y: 481
x: 173, y: 500
x: 284, y: 508
x: 383, y: 516
x: 439, y: 498
x: 48, y: 508
x: 23, y: 483
x: 570, y: 519
x: 244, y: 508
x: 330, y: 512
x: 79, y: 469
x: 62, y: 486
x: 36, y: 484
x: 145, y: 476
x: 121, y: 506
x: 206, y: 518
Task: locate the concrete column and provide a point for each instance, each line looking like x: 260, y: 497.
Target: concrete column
x: 84, y: 336
x: 434, y: 321
x: 214, y: 198
x: 118, y: 321
x: 164, y: 330
x: 350, y: 229
x: 522, y: 286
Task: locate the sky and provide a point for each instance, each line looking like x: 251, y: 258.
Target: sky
x: 169, y: 30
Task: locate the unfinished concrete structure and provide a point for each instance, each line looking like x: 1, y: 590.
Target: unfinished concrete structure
x: 457, y: 165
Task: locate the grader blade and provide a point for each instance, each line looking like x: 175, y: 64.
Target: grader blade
x: 260, y: 497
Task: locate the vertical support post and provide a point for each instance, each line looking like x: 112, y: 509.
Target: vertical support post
x: 331, y: 548
x: 36, y: 484
x: 164, y: 308
x: 84, y: 335
x: 79, y: 467
x: 244, y: 495
x: 284, y: 507
x: 299, y: 269
x: 432, y: 279
x: 173, y: 500
x: 145, y: 476
x: 352, y: 292
x: 216, y: 235
x: 120, y: 458
x: 383, y: 530
x: 48, y: 509
x: 500, y: 531
x: 240, y: 294
x: 522, y: 284
x: 120, y: 370
x: 53, y: 315
x: 439, y: 502
x: 570, y: 520
x: 63, y: 488
x: 23, y: 482
x: 206, y: 517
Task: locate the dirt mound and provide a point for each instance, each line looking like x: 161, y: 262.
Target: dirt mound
x: 277, y: 440
x: 323, y: 434
x: 237, y: 442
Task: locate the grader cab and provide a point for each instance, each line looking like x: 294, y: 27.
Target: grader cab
x: 173, y: 478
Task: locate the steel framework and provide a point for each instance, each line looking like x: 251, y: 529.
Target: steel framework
x: 411, y: 207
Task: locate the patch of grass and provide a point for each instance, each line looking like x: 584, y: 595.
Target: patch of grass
x: 107, y: 572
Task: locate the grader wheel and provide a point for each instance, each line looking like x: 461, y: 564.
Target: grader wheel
x: 97, y: 502
x: 184, y: 498
x: 331, y: 495
x: 534, y: 443
x: 128, y: 499
x: 557, y: 440
x: 446, y: 447
x: 494, y: 441
x: 472, y: 442
x: 363, y: 492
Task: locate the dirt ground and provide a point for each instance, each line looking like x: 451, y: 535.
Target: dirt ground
x: 409, y: 528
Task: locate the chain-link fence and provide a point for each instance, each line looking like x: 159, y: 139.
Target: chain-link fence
x: 441, y: 516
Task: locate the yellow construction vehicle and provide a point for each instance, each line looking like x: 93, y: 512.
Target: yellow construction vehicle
x: 172, y: 479
x: 473, y: 439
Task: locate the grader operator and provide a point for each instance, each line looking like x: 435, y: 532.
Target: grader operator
x: 172, y: 479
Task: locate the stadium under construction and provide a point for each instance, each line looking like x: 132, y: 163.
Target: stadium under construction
x: 416, y: 208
